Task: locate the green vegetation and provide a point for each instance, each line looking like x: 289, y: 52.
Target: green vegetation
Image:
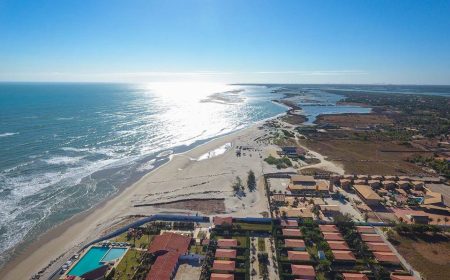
x: 251, y: 181
x: 283, y: 162
x: 261, y: 244
x: 128, y: 265
x: 442, y: 167
x: 237, y: 185
x: 141, y: 241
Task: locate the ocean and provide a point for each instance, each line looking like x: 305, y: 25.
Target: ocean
x: 66, y: 147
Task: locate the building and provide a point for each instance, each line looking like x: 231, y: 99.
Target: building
x: 365, y: 229
x: 220, y: 276
x: 389, y: 184
x: 376, y: 177
x: 295, y: 244
x: 354, y: 276
x: 328, y: 228
x: 402, y: 277
x: 386, y: 257
x: 359, y: 182
x: 167, y: 248
x: 289, y: 223
x: 378, y: 247
x: 371, y: 237
x: 298, y: 256
x: 418, y: 185
x: 222, y: 221
x: 332, y: 236
x: 223, y: 265
x: 292, y: 232
x: 346, y: 184
x: 433, y: 198
x: 367, y: 195
x: 304, y: 272
x: 227, y: 243
x: 225, y: 254
x: 338, y: 245
x: 374, y: 184
x: 404, y: 185
x: 330, y: 210
x: 279, y: 199
x: 302, y: 212
x: 413, y: 218
x: 340, y: 255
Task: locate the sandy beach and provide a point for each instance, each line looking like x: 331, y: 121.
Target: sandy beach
x: 204, y: 172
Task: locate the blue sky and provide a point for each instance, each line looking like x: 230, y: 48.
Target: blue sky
x: 393, y: 41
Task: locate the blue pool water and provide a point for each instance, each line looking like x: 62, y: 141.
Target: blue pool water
x: 113, y: 254
x: 94, y: 259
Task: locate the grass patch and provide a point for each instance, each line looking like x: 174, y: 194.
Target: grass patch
x: 196, y: 249
x: 254, y: 227
x: 128, y: 265
x: 261, y: 244
x: 142, y: 242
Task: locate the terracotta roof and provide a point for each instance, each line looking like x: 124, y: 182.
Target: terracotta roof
x: 365, y: 229
x: 291, y: 232
x: 170, y: 242
x: 218, y: 221
x: 371, y: 237
x: 332, y: 236
x: 386, y: 257
x: 298, y: 256
x: 225, y: 243
x: 294, y: 243
x: 163, y: 267
x: 378, y: 246
x: 219, y: 276
x: 338, y: 245
x: 224, y: 265
x: 289, y: 223
x: 366, y: 192
x: 225, y: 253
x: 343, y: 255
x: 355, y: 276
x: 328, y: 228
x: 205, y: 241
x: 402, y: 277
x: 304, y: 271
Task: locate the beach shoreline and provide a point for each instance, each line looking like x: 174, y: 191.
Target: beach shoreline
x: 69, y: 236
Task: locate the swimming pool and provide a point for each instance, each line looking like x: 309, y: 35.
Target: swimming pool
x: 95, y: 258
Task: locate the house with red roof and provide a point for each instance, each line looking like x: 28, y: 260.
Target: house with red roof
x: 378, y: 247
x: 333, y: 236
x: 370, y: 237
x: 220, y: 276
x: 365, y: 229
x: 295, y: 244
x: 298, y: 256
x: 225, y: 254
x: 168, y: 248
x: 227, y: 243
x: 338, y: 245
x: 341, y: 255
x: 328, y: 228
x: 402, y: 277
x: 292, y: 232
x: 223, y: 265
x: 304, y: 272
x: 221, y: 221
x: 289, y: 223
x: 354, y: 276
x: 386, y: 257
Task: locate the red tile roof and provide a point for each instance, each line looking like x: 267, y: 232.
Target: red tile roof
x: 219, y: 276
x: 294, y: 243
x: 218, y: 221
x: 170, y: 242
x: 168, y: 247
x: 378, y: 246
x: 355, y: 276
x: 328, y: 228
x: 289, y: 223
x: 402, y: 277
x: 370, y: 237
x: 304, y: 271
x: 386, y: 257
x: 365, y: 229
x: 164, y: 267
x: 226, y: 243
x: 338, y: 245
x: 333, y: 236
x: 225, y: 253
x: 340, y: 255
x: 291, y: 232
x: 298, y: 256
x: 224, y: 265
